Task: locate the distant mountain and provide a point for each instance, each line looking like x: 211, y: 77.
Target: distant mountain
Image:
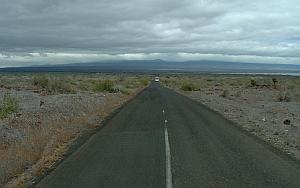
x: 203, y: 66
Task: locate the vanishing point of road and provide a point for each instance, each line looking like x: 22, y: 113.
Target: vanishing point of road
x: 161, y: 139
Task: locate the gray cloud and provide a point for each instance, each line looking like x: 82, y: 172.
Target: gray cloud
x: 257, y: 31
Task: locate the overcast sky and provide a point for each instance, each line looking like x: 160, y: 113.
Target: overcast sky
x: 63, y: 31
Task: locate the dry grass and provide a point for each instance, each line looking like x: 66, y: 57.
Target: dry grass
x: 55, y: 83
x: 47, y: 143
x: 43, y: 140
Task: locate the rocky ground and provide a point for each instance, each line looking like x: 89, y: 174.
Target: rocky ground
x: 39, y: 122
x: 253, y: 102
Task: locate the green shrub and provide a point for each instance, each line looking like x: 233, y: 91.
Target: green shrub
x: 144, y: 81
x: 253, y: 83
x: 188, y: 87
x: 125, y: 91
x: 8, y: 105
x: 40, y: 80
x: 105, y: 85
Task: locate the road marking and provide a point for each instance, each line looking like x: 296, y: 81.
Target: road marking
x: 169, y: 183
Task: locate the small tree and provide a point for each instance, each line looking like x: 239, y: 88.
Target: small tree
x: 275, y: 81
x: 253, y: 83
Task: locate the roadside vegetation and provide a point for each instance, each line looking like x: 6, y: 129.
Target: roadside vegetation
x: 42, y: 114
x: 8, y: 105
x: 284, y: 88
x: 53, y: 84
x: 105, y: 85
x: 266, y: 106
x: 188, y: 87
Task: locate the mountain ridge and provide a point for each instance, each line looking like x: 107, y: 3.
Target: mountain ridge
x: 159, y: 65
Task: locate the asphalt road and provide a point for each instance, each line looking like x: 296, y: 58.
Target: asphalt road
x: 195, y: 147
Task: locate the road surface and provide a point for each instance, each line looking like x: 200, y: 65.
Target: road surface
x: 163, y: 140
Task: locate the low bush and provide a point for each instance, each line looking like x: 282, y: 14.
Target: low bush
x: 40, y: 80
x: 225, y: 93
x: 253, y: 83
x: 144, y: 81
x: 125, y: 91
x: 8, y: 105
x: 53, y: 84
x: 105, y: 85
x: 284, y: 96
x: 188, y: 87
x: 60, y: 85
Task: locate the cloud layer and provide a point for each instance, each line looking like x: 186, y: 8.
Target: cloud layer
x: 59, y: 31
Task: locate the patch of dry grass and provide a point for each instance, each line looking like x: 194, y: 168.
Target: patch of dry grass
x: 57, y: 83
x: 46, y: 143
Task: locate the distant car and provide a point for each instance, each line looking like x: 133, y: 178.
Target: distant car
x: 156, y: 79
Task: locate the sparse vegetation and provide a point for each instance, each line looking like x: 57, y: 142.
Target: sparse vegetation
x: 35, y: 139
x: 8, y: 105
x: 260, y: 104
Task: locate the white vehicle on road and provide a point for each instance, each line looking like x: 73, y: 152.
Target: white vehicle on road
x: 156, y: 79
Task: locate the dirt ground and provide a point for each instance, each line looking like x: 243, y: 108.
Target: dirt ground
x: 266, y: 106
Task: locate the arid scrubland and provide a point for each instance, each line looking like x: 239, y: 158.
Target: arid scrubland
x: 42, y: 114
x: 266, y: 106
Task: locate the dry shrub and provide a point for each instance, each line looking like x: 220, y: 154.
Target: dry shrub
x: 53, y: 84
x: 284, y: 96
x: 225, y: 93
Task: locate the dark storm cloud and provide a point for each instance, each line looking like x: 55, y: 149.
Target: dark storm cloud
x: 60, y: 30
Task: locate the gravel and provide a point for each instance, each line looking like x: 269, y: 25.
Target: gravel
x: 257, y: 110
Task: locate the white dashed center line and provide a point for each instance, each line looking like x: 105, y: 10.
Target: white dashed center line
x: 169, y: 183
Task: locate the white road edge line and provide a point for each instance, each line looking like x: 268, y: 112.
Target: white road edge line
x: 169, y: 183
